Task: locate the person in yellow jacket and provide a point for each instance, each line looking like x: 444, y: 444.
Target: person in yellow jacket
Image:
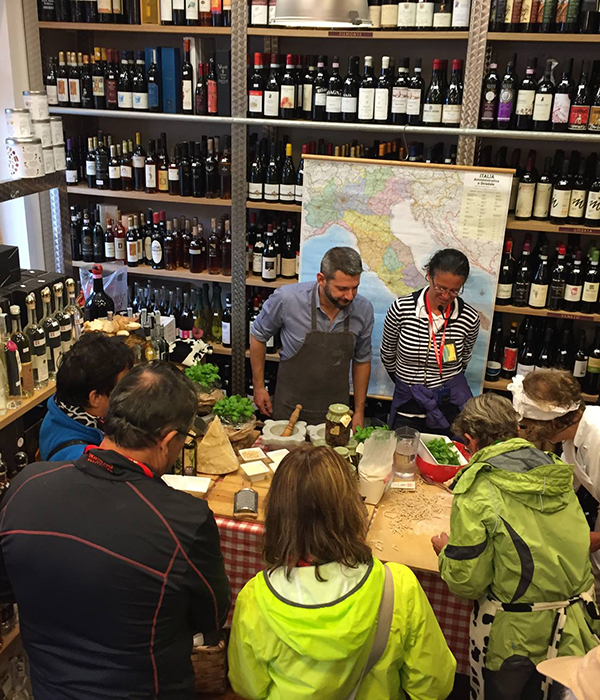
x: 305, y: 627
x: 518, y: 547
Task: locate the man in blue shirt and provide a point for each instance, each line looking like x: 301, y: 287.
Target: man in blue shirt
x: 325, y: 328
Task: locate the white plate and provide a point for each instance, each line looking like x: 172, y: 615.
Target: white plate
x: 196, y: 485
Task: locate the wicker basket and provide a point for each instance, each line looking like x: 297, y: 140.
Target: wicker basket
x: 210, y: 668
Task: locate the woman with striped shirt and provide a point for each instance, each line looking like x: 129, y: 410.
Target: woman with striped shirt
x: 428, y: 340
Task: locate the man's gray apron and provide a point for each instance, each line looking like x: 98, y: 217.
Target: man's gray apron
x: 318, y: 374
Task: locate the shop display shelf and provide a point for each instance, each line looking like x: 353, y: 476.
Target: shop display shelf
x: 257, y: 281
x: 145, y: 197
x: 138, y: 114
x: 133, y: 28
x: 544, y: 37
x: 13, y: 189
x: 27, y: 404
x: 531, y: 225
x: 366, y: 33
x: 502, y: 385
x: 548, y: 313
x: 147, y: 271
x: 220, y: 350
x: 274, y: 206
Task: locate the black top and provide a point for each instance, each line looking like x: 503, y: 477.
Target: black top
x: 113, y: 572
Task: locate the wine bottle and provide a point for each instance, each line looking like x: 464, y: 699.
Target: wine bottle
x: 564, y: 355
x: 99, y: 303
x: 271, y: 186
x: 591, y: 286
x: 578, y: 196
x: 544, y: 95
x: 150, y: 172
x: 496, y: 351
x: 574, y: 286
x: 507, y: 96
x: 124, y: 87
x: 434, y: 97
x: 366, y: 93
x: 350, y: 91
x: 510, y: 355
x: 523, y: 277
x: 526, y: 97
x: 111, y: 78
x: 74, y: 81
x: 211, y: 171
x: 389, y: 14
x: 538, y: 294
x: 506, y: 277
x: 561, y: 196
x: 255, y: 89
x: 383, y: 92
x: 62, y: 81
x: 442, y: 15
x: 562, y: 100
x: 543, y: 193
x: 87, y: 89
x: 424, y: 15
x: 452, y: 107
x: 526, y: 359
x: 407, y: 15
x: 288, y: 177
x: 489, y: 99
x: 308, y: 80
x: 544, y: 358
x: 526, y: 191
x: 320, y: 86
x: 269, y: 257
x: 271, y: 92
x: 557, y: 280
x: 592, y: 208
x: 581, y: 359
x: 579, y: 113
x: 140, y: 83
x: 333, y: 98
x: 101, y: 164
x: 300, y: 177
x: 414, y: 95
x: 288, y: 89
x: 592, y: 377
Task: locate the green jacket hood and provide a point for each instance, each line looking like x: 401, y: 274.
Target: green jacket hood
x: 301, y: 611
x: 537, y: 479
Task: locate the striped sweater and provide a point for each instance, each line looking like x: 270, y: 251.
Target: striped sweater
x: 406, y: 339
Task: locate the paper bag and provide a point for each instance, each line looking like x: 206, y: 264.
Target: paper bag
x: 376, y: 467
x: 215, y: 455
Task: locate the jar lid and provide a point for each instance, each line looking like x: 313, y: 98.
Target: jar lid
x: 18, y: 110
x: 342, y: 451
x: 339, y: 408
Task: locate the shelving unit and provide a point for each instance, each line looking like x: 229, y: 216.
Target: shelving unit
x: 27, y: 404
x: 502, y: 385
x: 134, y: 28
x: 547, y: 227
x: 220, y: 350
x: 82, y: 190
x: 548, y: 313
x: 544, y: 38
x: 372, y: 34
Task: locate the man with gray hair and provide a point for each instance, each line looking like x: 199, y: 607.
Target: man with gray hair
x: 325, y: 328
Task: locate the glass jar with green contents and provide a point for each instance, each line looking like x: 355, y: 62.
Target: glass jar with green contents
x: 338, y: 425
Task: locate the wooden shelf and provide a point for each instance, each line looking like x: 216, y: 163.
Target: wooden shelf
x: 220, y: 350
x: 256, y: 281
x: 9, y: 639
x: 355, y: 34
x: 147, y: 271
x: 273, y: 206
x: 531, y: 225
x: 145, y: 197
x: 27, y: 404
x: 545, y: 37
x: 502, y: 385
x: 134, y: 28
x: 548, y: 313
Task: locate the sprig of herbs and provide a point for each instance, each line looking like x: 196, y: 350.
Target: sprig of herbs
x: 206, y: 375
x: 235, y: 409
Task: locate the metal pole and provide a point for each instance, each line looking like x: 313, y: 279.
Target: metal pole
x: 239, y: 26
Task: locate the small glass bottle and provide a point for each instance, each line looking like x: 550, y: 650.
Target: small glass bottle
x: 169, y: 246
x: 214, y: 257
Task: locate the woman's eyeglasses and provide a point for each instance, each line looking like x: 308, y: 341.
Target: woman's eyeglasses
x: 442, y: 290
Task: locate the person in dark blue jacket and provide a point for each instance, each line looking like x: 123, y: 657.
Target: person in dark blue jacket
x: 85, y: 378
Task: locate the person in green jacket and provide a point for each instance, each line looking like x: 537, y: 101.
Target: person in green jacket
x: 519, y: 547
x: 304, y: 628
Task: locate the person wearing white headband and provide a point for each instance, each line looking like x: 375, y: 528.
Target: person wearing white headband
x: 551, y: 409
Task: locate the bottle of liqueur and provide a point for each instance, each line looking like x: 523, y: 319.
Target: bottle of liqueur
x: 526, y: 97
x: 489, y: 99
x: 592, y: 207
x: 366, y: 93
x: 557, y: 280
x: 452, y: 107
x: 526, y: 191
x: 400, y: 93
x: 579, y: 113
x: 523, y: 277
x: 37, y: 343
x: 333, y: 98
x: 511, y: 350
x: 504, y: 290
x: 507, y: 97
x: 350, y: 89
x: 563, y: 94
x: 414, y: 96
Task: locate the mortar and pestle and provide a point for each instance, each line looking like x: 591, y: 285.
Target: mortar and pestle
x: 282, y: 433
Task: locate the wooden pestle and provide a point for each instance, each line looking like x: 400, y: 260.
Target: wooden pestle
x: 287, y: 431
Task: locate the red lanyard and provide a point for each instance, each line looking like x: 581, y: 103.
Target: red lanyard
x: 147, y: 471
x: 439, y: 353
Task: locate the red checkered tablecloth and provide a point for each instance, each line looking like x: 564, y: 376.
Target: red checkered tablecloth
x: 241, y: 547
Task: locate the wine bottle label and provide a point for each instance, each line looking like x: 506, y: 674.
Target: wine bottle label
x: 41, y: 343
x: 259, y: 13
x: 592, y: 210
x: 593, y: 366
x: 173, y: 175
x: 320, y: 97
x: 432, y: 114
x: 542, y: 108
x: 560, y: 108
x: 525, y: 195
x: 286, y: 193
x: 413, y: 101
x: 559, y: 207
x: 211, y: 96
x: 54, y: 336
x: 451, y: 114
x: 578, y: 117
x: 179, y: 4
x: 186, y: 101
x: 257, y: 263
x: 538, y: 295
x: 271, y: 103
x: 74, y: 90
x: 62, y: 88
x: 399, y: 99
x: 114, y: 172
x: 269, y: 268
x: 524, y: 369
x: 255, y: 101
x: 590, y: 292
x: 105, y: 6
x: 525, y: 100
x: 366, y: 104
x: 442, y: 20
x: 98, y: 86
x: 307, y: 101
x: 461, y: 14
x: 271, y: 192
x: 140, y: 100
x: 572, y: 11
x: 424, y: 14
x: 40, y: 365
x: 120, y: 249
x: 382, y: 103
x: 132, y: 251
x: 573, y: 292
x: 594, y: 122
x: 148, y: 248
x: 349, y: 105
x: 516, y: 11
x: 541, y: 205
x: 580, y: 368
x: 509, y: 361
x: 287, y: 97
x: 125, y: 100
x: 504, y: 291
x: 525, y: 16
x: 166, y: 11
x: 157, y: 252
x: 272, y: 9
x: 561, y: 10
x: 72, y: 177
x: 109, y: 250
x: 407, y: 15
x: 150, y: 171
x: 298, y: 194
x: 577, y: 203
x: 191, y: 9
x: 389, y: 15
x: 126, y: 172
x: 375, y: 16
x: 505, y: 104
x: 492, y: 369
x: 226, y: 333
x: 288, y: 267
x: 333, y: 104
x: 163, y: 181
x: 52, y: 92
x: 153, y: 96
x: 255, y: 190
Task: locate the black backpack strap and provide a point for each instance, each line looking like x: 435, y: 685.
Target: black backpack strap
x: 62, y: 445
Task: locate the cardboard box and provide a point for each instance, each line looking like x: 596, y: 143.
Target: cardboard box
x: 171, y: 79
x: 10, y: 266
